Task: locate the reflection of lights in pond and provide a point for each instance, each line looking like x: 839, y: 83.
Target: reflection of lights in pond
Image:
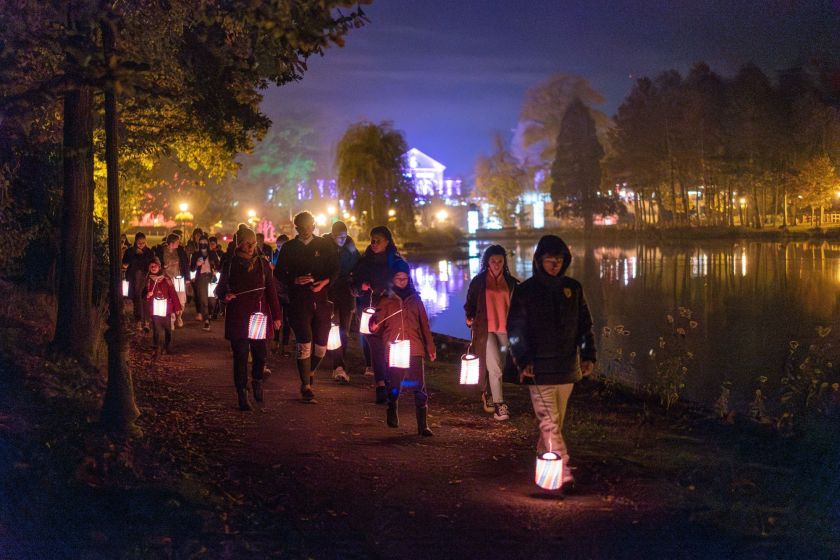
x: 443, y: 269
x: 472, y: 248
x: 700, y: 265
x: 475, y: 266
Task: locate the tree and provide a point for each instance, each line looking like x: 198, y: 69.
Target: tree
x: 501, y: 180
x: 372, y: 172
x: 576, y: 171
x: 818, y: 183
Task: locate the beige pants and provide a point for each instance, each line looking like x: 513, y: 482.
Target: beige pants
x: 549, y: 403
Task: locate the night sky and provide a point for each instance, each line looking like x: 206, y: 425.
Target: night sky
x: 448, y: 72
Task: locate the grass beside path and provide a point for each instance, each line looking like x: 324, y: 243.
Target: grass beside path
x: 331, y: 480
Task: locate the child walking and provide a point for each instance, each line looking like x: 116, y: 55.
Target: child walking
x: 400, y: 315
x: 159, y: 287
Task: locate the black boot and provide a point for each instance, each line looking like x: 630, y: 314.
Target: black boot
x: 381, y: 394
x: 392, y: 417
x: 243, y: 400
x: 256, y: 385
x: 422, y: 425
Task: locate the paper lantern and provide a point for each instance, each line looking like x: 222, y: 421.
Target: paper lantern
x: 180, y: 286
x: 549, y: 475
x: 159, y: 307
x: 364, y: 321
x: 192, y: 274
x: 334, y: 341
x: 125, y: 288
x: 400, y: 354
x: 469, y: 369
x: 211, y: 287
x: 257, y: 326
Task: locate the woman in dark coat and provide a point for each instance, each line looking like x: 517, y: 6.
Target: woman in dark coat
x: 247, y: 286
x: 552, y: 345
x: 341, y: 294
x: 486, y: 310
x: 371, y: 280
x: 203, y: 265
x: 136, y: 261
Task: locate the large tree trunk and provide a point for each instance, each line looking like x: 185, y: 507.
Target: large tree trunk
x: 74, y: 334
x: 119, y: 410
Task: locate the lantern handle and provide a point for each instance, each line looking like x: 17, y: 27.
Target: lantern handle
x: 389, y: 316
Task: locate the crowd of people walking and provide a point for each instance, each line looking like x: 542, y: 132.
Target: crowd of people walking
x: 536, y: 333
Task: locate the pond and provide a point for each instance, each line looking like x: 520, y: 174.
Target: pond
x: 747, y: 301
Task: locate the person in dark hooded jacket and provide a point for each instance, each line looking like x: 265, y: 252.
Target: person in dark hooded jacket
x: 552, y: 345
x: 371, y: 279
x: 135, y: 261
x: 400, y: 315
x: 341, y: 294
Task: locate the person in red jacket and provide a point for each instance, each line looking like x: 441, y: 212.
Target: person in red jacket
x: 159, y: 286
x: 246, y: 284
x: 401, y: 316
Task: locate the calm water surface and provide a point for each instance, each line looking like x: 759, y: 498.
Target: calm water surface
x: 749, y: 298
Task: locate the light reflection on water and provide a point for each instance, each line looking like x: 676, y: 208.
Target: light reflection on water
x: 750, y: 298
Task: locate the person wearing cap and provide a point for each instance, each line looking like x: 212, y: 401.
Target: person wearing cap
x: 341, y: 294
x: 204, y: 263
x: 246, y: 284
x: 552, y: 345
x: 174, y: 260
x: 400, y: 315
x: 160, y: 286
x: 306, y: 265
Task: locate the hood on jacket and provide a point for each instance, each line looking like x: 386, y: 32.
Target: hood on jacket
x: 551, y: 245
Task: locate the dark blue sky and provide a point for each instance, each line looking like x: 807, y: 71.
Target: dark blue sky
x: 448, y: 72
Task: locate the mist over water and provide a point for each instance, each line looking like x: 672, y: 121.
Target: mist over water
x: 749, y: 298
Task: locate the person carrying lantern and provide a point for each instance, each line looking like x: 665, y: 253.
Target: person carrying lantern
x: 135, y: 261
x: 400, y: 316
x: 306, y: 265
x: 252, y: 313
x: 204, y: 263
x: 173, y: 258
x: 486, y: 311
x: 341, y: 295
x: 552, y: 345
x: 162, y: 301
x: 370, y: 280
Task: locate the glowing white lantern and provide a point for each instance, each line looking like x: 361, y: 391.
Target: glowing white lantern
x: 159, y: 307
x: 334, y: 341
x: 364, y: 321
x: 469, y: 369
x: 125, y: 288
x: 180, y: 286
x: 257, y: 326
x: 400, y: 354
x: 549, y: 475
x: 192, y: 274
x: 211, y: 287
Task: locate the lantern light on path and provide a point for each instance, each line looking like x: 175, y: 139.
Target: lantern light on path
x: 257, y: 326
x: 549, y: 475
x: 180, y: 287
x: 159, y: 307
x: 364, y: 321
x: 334, y: 341
x: 400, y: 354
x: 469, y: 369
x: 211, y: 287
x: 125, y: 288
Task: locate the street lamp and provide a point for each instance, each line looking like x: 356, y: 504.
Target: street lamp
x: 331, y: 210
x: 441, y: 215
x: 184, y: 207
x: 392, y: 213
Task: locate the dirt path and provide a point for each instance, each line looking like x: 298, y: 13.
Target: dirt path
x: 331, y: 480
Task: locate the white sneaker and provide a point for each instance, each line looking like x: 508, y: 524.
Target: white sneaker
x: 368, y: 372
x: 502, y: 412
x: 340, y: 375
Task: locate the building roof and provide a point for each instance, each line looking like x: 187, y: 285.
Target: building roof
x: 419, y: 160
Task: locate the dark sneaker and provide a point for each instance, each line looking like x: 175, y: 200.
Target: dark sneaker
x: 502, y: 413
x: 307, y: 394
x: 207, y: 325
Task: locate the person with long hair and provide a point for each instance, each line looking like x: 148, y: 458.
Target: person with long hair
x: 246, y: 284
x: 551, y: 342
x: 486, y: 311
x: 203, y: 264
x: 371, y: 280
